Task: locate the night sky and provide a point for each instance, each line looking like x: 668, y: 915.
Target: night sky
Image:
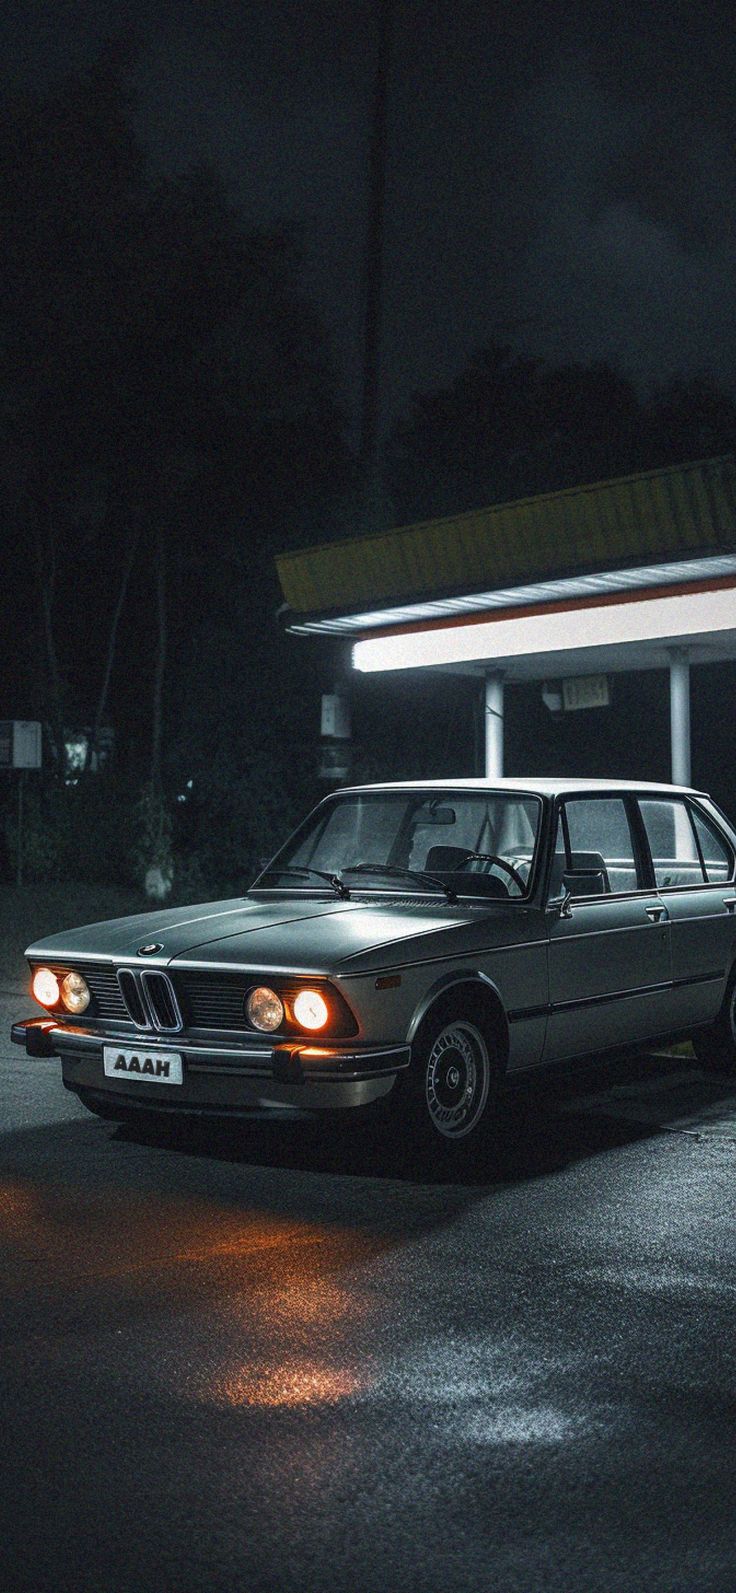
x: 562, y: 178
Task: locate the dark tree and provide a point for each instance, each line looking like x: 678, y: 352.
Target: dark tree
x: 168, y: 420
x: 510, y: 427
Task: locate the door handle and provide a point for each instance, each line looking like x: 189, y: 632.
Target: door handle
x: 729, y: 903
x: 656, y: 914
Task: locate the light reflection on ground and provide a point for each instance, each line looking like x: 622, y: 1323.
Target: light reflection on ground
x: 108, y: 1233
x: 286, y: 1318
x: 19, y: 1205
x: 288, y: 1385
x: 299, y: 1329
x: 538, y: 1425
x: 278, y: 1294
x: 303, y: 1297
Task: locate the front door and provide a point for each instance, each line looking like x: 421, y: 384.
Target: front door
x: 609, y: 950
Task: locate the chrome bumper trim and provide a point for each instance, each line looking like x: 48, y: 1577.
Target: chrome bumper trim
x: 293, y: 1062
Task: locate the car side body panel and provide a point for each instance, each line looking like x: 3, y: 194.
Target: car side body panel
x: 505, y: 949
x: 609, y: 974
x: 703, y: 941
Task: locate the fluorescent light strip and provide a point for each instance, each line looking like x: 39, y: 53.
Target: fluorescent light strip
x: 645, y: 620
x: 520, y: 596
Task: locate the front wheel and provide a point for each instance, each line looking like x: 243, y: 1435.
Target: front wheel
x: 451, y: 1087
x: 715, y: 1047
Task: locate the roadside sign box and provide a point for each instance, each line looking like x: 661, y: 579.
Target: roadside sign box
x: 335, y: 717
x: 20, y: 744
x: 586, y: 691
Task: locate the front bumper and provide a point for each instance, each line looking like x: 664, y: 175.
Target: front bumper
x: 219, y: 1077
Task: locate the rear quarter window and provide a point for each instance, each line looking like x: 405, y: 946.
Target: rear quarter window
x: 715, y: 851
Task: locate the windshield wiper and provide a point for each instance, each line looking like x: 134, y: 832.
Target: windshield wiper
x: 398, y: 872
x: 334, y: 880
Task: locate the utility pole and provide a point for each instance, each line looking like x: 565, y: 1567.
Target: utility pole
x: 370, y: 418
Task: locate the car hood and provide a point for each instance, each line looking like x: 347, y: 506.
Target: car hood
x: 316, y: 936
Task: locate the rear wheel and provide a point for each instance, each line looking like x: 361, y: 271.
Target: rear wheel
x: 450, y: 1090
x: 715, y: 1047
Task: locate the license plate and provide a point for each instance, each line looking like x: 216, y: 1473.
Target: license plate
x: 145, y: 1067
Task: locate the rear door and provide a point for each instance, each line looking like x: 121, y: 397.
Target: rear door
x: 609, y: 952
x: 693, y: 865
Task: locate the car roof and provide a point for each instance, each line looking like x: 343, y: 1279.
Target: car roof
x: 522, y: 784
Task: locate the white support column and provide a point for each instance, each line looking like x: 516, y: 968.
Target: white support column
x: 680, y: 715
x: 494, y: 725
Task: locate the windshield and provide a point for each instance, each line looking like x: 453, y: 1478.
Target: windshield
x: 471, y: 843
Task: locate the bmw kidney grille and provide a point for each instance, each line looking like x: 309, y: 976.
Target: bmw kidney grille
x: 150, y: 1000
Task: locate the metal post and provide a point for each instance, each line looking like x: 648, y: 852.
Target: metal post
x: 494, y: 725
x: 371, y: 397
x: 680, y: 715
x: 19, y: 852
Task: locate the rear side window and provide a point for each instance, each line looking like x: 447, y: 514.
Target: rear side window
x: 672, y: 842
x: 600, y: 839
x: 716, y: 855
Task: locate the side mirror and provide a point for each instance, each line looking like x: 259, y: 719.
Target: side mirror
x: 560, y: 905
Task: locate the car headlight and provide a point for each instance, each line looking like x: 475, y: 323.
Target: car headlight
x: 75, y: 993
x: 45, y: 988
x: 311, y: 1010
x: 265, y: 1010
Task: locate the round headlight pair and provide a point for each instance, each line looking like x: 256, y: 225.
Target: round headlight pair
x: 265, y: 1009
x: 73, y: 991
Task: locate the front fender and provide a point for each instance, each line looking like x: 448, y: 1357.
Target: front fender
x: 459, y: 976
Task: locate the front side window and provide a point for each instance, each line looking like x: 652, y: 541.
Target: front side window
x: 479, y: 844
x: 596, y: 839
x: 672, y: 842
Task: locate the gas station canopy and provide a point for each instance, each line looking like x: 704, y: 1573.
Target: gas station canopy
x: 634, y: 573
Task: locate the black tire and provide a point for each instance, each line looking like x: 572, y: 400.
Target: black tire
x: 446, y: 1103
x: 715, y: 1047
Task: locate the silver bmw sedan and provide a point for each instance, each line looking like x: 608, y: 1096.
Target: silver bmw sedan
x: 410, y: 945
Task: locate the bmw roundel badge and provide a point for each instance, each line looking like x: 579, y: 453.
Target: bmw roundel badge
x: 148, y: 951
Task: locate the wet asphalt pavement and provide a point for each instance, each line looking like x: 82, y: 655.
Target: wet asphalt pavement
x: 280, y: 1358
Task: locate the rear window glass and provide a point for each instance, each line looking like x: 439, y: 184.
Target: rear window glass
x: 672, y: 842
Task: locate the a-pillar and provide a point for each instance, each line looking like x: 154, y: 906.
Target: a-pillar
x: 680, y: 715
x: 494, y: 725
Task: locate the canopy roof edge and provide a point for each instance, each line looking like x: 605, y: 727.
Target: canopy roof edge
x: 675, y: 512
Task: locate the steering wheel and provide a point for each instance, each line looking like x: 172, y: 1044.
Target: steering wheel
x: 492, y: 857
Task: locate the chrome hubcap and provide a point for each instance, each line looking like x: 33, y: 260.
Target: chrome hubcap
x: 457, y: 1079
